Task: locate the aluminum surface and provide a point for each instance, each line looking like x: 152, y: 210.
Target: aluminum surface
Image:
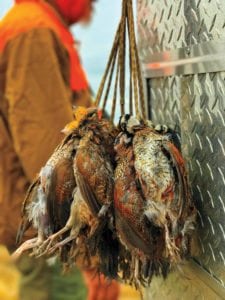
x: 200, y: 58
x: 195, y: 106
x: 170, y: 24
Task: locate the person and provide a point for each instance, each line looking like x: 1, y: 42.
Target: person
x: 41, y: 78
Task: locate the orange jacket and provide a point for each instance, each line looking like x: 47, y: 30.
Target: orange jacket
x: 30, y: 14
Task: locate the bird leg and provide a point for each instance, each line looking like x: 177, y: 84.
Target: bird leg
x: 29, y: 244
x: 51, y: 250
x: 73, y: 235
x: 47, y: 245
x: 137, y: 273
x: 132, y: 267
x: 172, y: 249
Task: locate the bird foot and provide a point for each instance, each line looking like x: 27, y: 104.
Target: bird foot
x: 61, y: 244
x: 47, y: 244
x: 172, y: 249
x: 29, y: 244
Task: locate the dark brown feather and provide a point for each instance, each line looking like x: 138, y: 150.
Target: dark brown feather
x: 60, y: 194
x: 94, y: 171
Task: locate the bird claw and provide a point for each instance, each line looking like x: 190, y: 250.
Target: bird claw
x: 53, y: 249
x: 42, y: 249
x: 172, y: 249
x: 39, y: 254
x: 61, y: 244
x: 29, y: 244
x: 49, y: 250
x: 46, y: 246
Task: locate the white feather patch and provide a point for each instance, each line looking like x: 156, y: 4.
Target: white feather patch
x: 45, y: 175
x: 37, y: 208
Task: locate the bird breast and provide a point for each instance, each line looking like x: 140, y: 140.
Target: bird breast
x: 151, y: 163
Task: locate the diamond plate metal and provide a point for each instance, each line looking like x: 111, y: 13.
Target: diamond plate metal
x: 170, y: 24
x: 203, y: 137
x: 195, y: 106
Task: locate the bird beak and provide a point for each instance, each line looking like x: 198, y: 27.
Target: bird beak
x: 64, y: 131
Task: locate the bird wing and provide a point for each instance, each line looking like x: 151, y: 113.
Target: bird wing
x: 182, y: 189
x: 131, y: 232
x: 60, y: 194
x: 129, y: 205
x: 94, y: 174
x: 31, y: 193
x: 30, y: 197
x: 87, y: 193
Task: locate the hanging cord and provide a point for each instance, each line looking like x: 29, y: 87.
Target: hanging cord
x: 111, y: 56
x: 131, y: 72
x: 109, y: 80
x: 138, y: 100
x: 122, y: 52
x: 133, y: 59
x: 139, y: 76
x: 130, y: 86
x: 117, y: 60
x: 115, y: 93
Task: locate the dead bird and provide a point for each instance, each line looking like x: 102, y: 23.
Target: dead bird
x: 162, y: 176
x: 48, y: 200
x: 155, y: 215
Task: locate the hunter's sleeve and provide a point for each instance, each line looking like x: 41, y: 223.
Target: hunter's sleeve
x: 38, y: 95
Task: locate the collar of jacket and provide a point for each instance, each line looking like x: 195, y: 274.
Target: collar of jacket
x: 30, y: 14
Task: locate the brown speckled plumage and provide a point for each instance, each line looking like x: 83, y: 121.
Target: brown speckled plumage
x: 70, y: 203
x: 130, y: 204
x: 162, y: 175
x: 49, y: 198
x: 154, y: 213
x: 122, y: 197
x: 94, y: 172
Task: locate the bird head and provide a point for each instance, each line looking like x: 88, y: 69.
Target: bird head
x: 122, y: 143
x: 94, y: 113
x: 128, y: 123
x: 80, y: 114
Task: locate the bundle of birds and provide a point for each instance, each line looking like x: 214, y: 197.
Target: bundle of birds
x: 120, y: 196
x: 154, y: 212
x: 70, y: 201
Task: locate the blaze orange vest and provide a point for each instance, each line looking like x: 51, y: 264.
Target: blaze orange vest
x: 29, y: 15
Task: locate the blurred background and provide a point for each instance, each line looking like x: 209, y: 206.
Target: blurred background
x: 95, y: 39
x: 94, y: 44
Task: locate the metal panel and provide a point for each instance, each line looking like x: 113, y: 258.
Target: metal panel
x: 170, y: 24
x: 200, y: 58
x: 203, y: 137
x: 194, y: 105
